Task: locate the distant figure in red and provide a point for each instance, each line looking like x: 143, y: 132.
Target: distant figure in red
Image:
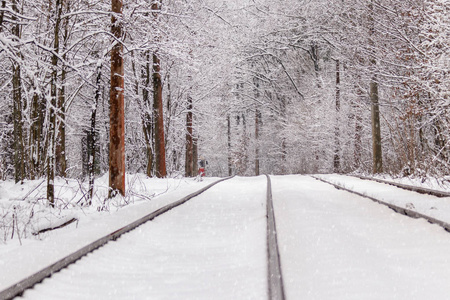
x: 201, y: 167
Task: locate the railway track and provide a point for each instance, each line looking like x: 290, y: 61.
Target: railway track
x: 276, y: 286
x: 18, y: 288
x: 401, y: 210
x: 305, y: 230
x: 417, y: 189
x: 275, y: 281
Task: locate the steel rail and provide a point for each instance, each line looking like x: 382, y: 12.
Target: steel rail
x: 18, y: 288
x: 417, y: 189
x: 396, y: 208
x: 275, y: 278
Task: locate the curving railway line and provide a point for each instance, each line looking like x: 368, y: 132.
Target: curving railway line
x: 239, y: 239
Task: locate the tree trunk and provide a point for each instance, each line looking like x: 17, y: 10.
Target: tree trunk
x: 358, y: 132
x: 61, y: 161
x: 337, y: 146
x: 189, y: 141
x: 117, y: 111
x: 195, y: 157
x: 244, y: 161
x: 160, y: 145
x: 168, y: 110
x: 314, y: 54
x: 376, y: 129
x: 34, y: 137
x: 92, y: 138
x: 230, y: 171
x: 283, y: 110
x: 19, y: 152
x: 257, y: 116
x: 2, y: 15
x: 147, y: 123
x: 52, y: 109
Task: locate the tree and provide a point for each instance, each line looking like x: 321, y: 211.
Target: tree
x: 376, y: 125
x: 189, y: 163
x: 160, y: 150
x: 19, y: 147
x: 53, y: 106
x: 117, y: 113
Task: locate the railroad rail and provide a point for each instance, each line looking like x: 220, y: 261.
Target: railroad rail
x: 276, y: 286
x: 18, y: 288
x: 396, y: 208
x: 275, y: 279
x: 417, y: 189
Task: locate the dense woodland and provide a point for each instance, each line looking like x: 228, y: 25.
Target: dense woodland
x: 252, y: 86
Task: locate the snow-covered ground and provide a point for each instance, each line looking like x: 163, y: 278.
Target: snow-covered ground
x: 333, y: 245
x: 336, y: 245
x: 440, y: 184
x: 24, y: 209
x: 37, y: 252
x: 212, y: 247
x: 438, y: 208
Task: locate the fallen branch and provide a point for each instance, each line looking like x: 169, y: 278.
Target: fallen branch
x: 56, y: 227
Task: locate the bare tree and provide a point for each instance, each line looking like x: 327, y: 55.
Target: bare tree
x: 189, y: 167
x: 52, y: 108
x: 116, y: 102
x: 19, y: 151
x: 374, y: 99
x: 337, y: 146
x: 160, y: 150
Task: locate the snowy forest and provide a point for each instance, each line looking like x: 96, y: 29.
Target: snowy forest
x: 252, y: 87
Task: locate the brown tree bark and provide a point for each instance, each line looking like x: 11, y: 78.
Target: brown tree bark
x: 116, y: 109
x: 160, y: 145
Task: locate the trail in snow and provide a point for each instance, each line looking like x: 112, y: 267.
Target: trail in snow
x: 336, y: 245
x: 212, y: 247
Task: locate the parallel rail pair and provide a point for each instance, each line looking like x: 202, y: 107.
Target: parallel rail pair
x: 275, y: 278
x: 401, y: 210
x: 275, y: 282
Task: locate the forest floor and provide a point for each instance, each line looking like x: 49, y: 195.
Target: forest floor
x: 333, y: 245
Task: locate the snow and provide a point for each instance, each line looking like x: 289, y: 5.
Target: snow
x: 438, y: 208
x: 19, y: 262
x: 212, y: 247
x: 440, y: 184
x: 333, y: 244
x: 336, y: 245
